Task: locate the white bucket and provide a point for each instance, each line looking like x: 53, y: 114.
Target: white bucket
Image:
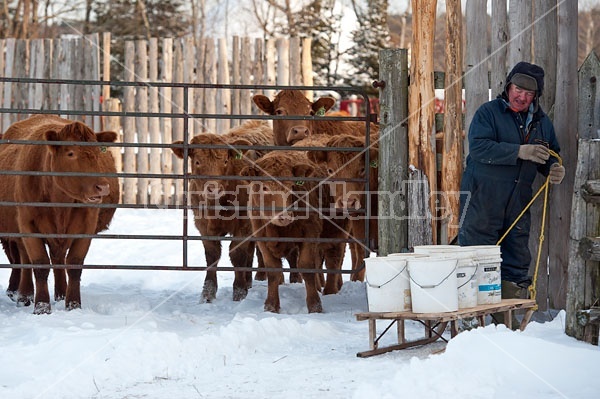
x: 433, y: 284
x: 388, y: 286
x: 466, y: 272
x: 489, y: 283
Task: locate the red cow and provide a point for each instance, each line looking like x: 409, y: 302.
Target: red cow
x: 209, y: 192
x: 60, y: 189
x: 294, y: 103
x: 279, y: 217
x: 352, y: 195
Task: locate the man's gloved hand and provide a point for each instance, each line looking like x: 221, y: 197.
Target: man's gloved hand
x: 556, y: 174
x: 534, y: 152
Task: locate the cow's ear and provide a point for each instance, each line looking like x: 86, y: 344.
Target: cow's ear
x: 52, y: 135
x: 264, y: 104
x: 238, y: 154
x: 303, y: 170
x: 178, y: 150
x: 106, y: 137
x: 317, y: 156
x: 248, y: 171
x: 324, y: 102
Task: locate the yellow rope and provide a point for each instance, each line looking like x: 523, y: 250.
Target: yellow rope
x: 545, y: 187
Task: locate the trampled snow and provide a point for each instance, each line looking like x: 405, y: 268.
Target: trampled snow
x: 145, y: 334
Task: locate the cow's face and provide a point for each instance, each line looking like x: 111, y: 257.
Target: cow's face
x: 79, y: 159
x: 345, y: 165
x: 213, y: 162
x: 292, y: 103
x: 277, y: 199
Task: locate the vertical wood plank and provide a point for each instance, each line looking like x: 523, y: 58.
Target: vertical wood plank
x: 166, y: 124
x: 223, y: 95
x: 198, y: 94
x: 270, y: 73
x: 499, y: 42
x: 210, y: 76
x: 421, y: 104
x: 7, y: 119
x: 519, y: 30
x: 307, y: 68
x: 544, y: 46
x: 393, y: 151
x: 246, y: 77
x: 113, y: 123
x: 154, y: 123
x: 295, y: 62
x: 452, y: 154
x: 283, y: 62
x: 236, y: 53
x: 141, y: 122
x: 178, y: 122
x: 129, y: 136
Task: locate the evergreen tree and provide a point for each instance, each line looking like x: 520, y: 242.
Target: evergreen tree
x: 371, y: 36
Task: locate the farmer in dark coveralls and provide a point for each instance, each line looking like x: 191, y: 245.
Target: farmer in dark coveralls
x: 509, y: 139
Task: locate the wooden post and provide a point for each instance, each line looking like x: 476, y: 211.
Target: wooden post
x: 189, y: 58
x: 544, y: 46
x: 476, y: 76
x: 561, y: 196
x: 129, y: 183
x: 2, y: 47
x: 178, y: 122
x: 245, y: 71
x: 198, y: 94
x: 235, y: 78
x: 393, y: 151
x: 106, y: 64
x: 499, y: 46
x: 113, y: 123
x: 307, y: 69
x: 141, y: 122
x: 421, y: 100
x: 210, y: 76
x: 223, y: 95
x: 452, y: 154
x: 283, y: 62
x: 154, y: 123
x: 519, y: 30
x: 8, y: 72
x: 258, y: 68
x: 166, y: 124
x: 270, y: 73
x: 583, y: 272
x: 295, y: 61
x: 36, y: 70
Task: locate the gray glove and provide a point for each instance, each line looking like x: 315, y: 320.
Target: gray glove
x: 534, y: 152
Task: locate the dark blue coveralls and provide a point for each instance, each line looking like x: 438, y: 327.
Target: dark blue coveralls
x: 496, y: 185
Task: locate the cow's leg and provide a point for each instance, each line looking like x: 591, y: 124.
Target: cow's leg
x: 212, y: 249
x: 308, y: 259
x: 35, y: 252
x: 260, y: 275
x: 333, y: 261
x: 76, y: 255
x: 240, y: 256
x: 60, y: 276
x: 13, y: 283
x: 274, y: 279
x: 25, y: 293
x: 292, y: 259
x: 358, y: 251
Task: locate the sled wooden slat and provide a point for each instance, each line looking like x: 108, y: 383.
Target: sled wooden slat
x: 435, y: 323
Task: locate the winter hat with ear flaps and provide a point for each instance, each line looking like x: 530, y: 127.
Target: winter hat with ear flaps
x: 528, y: 76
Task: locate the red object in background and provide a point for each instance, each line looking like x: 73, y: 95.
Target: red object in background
x: 349, y: 105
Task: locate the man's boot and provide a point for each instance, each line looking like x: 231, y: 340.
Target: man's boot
x: 510, y: 290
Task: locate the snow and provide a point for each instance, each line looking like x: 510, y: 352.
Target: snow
x: 145, y: 334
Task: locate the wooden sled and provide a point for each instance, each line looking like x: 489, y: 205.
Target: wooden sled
x: 436, y: 323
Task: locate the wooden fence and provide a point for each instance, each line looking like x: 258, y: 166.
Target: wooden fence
x: 241, y: 61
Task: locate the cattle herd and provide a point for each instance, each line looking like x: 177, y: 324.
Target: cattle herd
x: 302, y: 203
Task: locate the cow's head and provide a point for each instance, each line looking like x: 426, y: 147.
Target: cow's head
x: 214, y: 162
x: 79, y: 159
x: 349, y: 165
x: 277, y: 198
x: 292, y: 103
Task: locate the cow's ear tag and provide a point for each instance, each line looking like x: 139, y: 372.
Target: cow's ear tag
x: 373, y: 164
x: 102, y: 149
x: 299, y: 182
x: 238, y: 155
x: 320, y: 112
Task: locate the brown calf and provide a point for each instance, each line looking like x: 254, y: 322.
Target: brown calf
x: 205, y: 193
x: 351, y: 196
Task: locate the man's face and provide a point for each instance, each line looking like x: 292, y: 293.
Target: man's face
x: 519, y: 98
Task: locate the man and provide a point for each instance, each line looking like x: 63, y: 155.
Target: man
x: 509, y: 138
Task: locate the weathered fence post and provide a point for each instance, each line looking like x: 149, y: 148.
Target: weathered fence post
x: 141, y: 122
x: 113, y: 123
x: 166, y: 124
x: 583, y: 287
x: 223, y: 95
x: 154, y: 123
x: 393, y: 151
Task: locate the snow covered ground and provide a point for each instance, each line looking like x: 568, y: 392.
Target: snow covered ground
x: 145, y: 334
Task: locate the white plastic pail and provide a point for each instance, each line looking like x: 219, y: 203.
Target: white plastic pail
x: 388, y: 286
x: 433, y: 284
x: 489, y: 286
x: 466, y: 272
